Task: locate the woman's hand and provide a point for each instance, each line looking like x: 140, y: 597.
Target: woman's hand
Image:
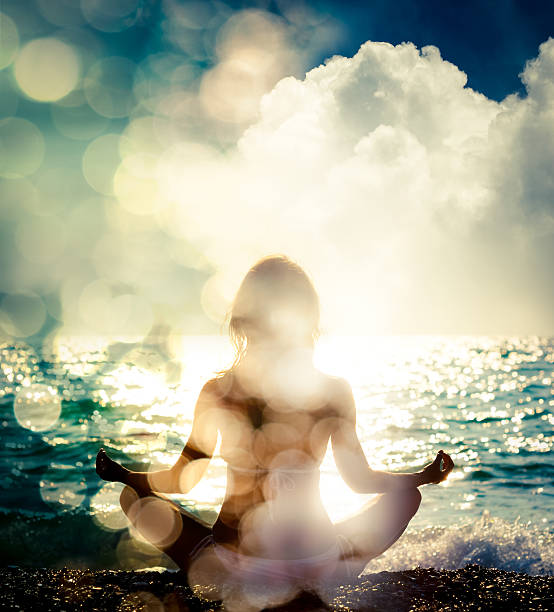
x: 108, y: 469
x: 438, y: 470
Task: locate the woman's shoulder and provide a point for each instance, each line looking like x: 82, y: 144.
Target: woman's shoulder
x: 338, y: 392
x: 220, y: 386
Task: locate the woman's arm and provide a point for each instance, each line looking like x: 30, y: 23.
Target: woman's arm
x: 352, y: 463
x: 191, y: 464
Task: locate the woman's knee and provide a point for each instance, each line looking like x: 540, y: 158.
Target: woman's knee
x: 413, y: 500
x: 407, y: 501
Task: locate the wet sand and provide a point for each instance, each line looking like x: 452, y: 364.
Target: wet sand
x: 470, y: 588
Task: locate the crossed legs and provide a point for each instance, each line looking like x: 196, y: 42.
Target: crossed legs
x: 178, y: 533
x: 377, y: 526
x: 164, y: 524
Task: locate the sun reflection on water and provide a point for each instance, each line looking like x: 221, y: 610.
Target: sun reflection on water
x: 487, y: 401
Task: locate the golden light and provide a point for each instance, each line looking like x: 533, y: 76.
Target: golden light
x: 47, y: 69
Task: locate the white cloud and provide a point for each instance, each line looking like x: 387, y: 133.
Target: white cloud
x: 418, y: 204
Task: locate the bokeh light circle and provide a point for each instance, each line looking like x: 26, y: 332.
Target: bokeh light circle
x: 61, y: 12
x: 110, y: 15
x: 40, y: 240
x: 106, y: 509
x: 58, y: 190
x: 78, y: 122
x: 100, y: 161
x: 37, y: 407
x: 109, y: 86
x: 21, y: 147
x: 47, y: 69
x: 132, y: 317
x: 9, y: 40
x: 155, y: 520
x: 135, y: 552
x: 125, y: 318
x: 60, y: 487
x: 136, y: 192
x: 213, y: 301
x: 22, y: 314
x: 18, y: 193
x: 142, y: 600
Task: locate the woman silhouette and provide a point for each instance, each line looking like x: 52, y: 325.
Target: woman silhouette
x: 276, y: 414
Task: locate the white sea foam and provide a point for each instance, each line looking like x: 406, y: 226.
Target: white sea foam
x: 490, y: 542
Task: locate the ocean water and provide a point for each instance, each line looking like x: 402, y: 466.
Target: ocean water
x: 487, y: 401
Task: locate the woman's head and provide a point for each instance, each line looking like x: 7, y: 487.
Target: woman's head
x: 276, y: 304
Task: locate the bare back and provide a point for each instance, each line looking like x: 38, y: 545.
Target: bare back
x: 273, y: 451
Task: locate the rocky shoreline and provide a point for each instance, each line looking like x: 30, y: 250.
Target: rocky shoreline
x: 471, y: 588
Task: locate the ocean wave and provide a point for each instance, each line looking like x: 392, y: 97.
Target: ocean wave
x: 75, y: 539
x: 490, y: 542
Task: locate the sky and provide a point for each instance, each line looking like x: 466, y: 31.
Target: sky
x: 152, y: 151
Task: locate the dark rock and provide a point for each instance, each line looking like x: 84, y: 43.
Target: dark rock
x: 418, y: 590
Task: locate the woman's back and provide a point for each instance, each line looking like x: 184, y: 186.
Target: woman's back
x: 273, y: 445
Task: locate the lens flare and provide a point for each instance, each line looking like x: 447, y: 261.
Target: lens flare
x: 59, y: 487
x: 106, y: 508
x: 156, y: 520
x: 100, y: 161
x: 135, y: 190
x: 37, y: 407
x: 47, y: 69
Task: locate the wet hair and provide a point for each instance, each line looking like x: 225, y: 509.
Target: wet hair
x: 276, y: 298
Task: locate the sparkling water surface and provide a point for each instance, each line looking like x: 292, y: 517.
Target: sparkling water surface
x: 487, y: 401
